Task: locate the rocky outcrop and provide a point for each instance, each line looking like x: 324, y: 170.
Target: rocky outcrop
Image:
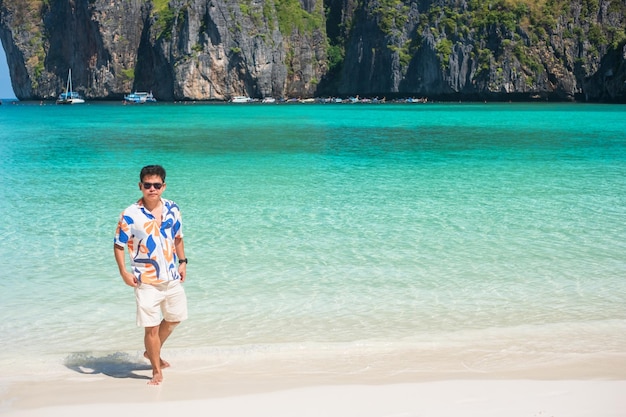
x: 44, y: 40
x: 180, y: 50
x: 485, y: 50
x: 217, y: 49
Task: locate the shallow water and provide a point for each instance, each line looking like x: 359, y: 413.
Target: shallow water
x: 496, y: 228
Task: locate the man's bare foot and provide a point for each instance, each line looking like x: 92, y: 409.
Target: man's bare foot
x: 164, y: 363
x: 156, y: 379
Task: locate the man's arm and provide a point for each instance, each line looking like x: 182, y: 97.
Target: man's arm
x: 128, y: 277
x: 179, y: 245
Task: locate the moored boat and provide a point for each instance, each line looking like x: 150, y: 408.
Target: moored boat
x: 241, y: 99
x: 70, y: 97
x: 139, y: 98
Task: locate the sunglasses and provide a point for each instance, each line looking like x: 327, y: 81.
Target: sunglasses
x: 156, y: 185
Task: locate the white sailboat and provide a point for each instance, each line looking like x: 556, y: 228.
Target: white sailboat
x: 69, y: 97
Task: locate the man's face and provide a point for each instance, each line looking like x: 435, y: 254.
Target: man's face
x: 149, y: 187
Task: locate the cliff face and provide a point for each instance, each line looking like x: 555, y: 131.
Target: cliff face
x: 44, y: 41
x: 216, y: 49
x: 488, y: 50
x: 181, y: 50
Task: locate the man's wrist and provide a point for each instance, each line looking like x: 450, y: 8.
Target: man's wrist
x: 183, y: 261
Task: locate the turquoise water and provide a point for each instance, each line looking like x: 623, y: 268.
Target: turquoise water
x: 497, y: 229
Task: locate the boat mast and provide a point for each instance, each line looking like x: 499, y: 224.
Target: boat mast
x: 68, y: 85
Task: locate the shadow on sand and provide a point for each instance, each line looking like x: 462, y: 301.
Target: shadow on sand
x: 116, y: 365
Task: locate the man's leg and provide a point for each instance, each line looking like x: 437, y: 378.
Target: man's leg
x: 174, y: 307
x: 165, y: 330
x: 153, y: 353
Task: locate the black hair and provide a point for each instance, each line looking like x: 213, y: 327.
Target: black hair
x: 152, y: 170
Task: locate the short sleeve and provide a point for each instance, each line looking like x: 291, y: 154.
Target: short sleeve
x: 122, y: 234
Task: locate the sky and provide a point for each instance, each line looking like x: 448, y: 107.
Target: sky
x: 6, y: 91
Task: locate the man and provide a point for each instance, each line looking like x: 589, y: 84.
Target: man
x: 152, y: 230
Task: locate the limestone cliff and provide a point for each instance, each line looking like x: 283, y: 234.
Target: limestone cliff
x: 216, y: 49
x: 180, y: 50
x: 487, y: 50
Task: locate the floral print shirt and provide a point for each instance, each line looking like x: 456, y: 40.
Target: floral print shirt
x: 151, y: 248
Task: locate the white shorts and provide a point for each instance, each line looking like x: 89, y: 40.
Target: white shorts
x: 166, y: 300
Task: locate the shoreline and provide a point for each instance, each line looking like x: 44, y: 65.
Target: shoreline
x: 324, y: 100
x: 584, y: 388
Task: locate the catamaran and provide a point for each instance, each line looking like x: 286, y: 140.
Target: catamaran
x: 70, y: 97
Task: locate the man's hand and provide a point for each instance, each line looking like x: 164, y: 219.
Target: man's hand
x: 129, y: 279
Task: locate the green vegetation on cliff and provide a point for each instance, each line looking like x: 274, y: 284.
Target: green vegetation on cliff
x: 164, y: 16
x: 519, y: 24
x: 291, y: 16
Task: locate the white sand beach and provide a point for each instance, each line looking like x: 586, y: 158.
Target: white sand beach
x: 595, y: 388
x: 565, y: 398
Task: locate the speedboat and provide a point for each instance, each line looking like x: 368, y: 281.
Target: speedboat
x: 241, y: 99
